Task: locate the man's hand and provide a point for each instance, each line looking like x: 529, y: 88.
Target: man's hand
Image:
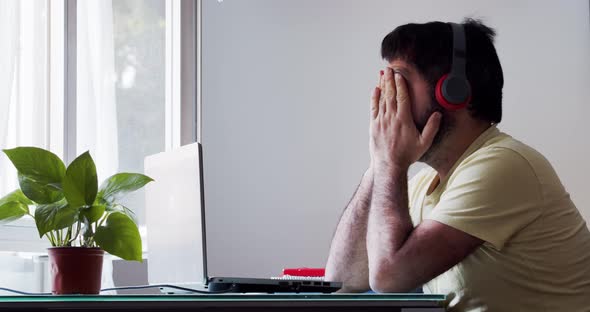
x: 395, y: 142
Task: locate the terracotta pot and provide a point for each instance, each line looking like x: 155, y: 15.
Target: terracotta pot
x: 75, y: 270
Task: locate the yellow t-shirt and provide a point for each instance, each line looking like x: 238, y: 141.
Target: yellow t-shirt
x: 536, y: 254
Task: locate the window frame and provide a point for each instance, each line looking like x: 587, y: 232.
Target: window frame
x: 182, y: 91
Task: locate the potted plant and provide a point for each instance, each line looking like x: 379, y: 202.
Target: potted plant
x: 80, y: 219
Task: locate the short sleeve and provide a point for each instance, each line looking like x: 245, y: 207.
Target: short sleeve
x: 416, y: 188
x: 416, y: 184
x: 492, y: 195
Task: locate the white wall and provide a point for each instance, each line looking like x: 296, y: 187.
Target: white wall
x: 286, y: 89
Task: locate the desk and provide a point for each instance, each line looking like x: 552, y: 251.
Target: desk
x: 226, y: 302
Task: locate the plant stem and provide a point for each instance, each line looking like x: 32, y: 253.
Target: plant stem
x: 72, y: 239
x: 102, y: 220
x: 68, y: 235
x: 51, y: 238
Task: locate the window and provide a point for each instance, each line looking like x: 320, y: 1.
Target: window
x: 126, y: 99
x: 121, y: 90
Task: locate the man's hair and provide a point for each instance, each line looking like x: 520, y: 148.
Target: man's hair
x: 429, y: 48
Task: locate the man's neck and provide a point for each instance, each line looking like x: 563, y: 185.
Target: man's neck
x: 454, y: 145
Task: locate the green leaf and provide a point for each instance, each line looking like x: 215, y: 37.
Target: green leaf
x: 13, y: 206
x: 92, y: 213
x: 16, y: 195
x: 123, y: 209
x: 40, y: 165
x: 55, y: 216
x: 80, y: 184
x: 11, y: 211
x: 121, y: 184
x: 39, y: 192
x: 120, y: 237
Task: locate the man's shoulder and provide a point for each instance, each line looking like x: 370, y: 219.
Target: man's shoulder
x: 504, y: 151
x: 504, y: 158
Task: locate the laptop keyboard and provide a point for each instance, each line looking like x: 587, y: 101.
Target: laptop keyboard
x: 299, y: 278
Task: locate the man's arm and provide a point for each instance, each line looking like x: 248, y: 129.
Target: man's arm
x: 400, y: 257
x: 347, y: 261
x: 389, y: 224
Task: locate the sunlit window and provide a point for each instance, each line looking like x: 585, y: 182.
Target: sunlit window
x: 124, y: 96
x: 121, y: 85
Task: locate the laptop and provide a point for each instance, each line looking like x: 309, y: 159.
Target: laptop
x: 176, y: 230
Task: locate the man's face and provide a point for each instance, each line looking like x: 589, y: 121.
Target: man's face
x: 423, y: 104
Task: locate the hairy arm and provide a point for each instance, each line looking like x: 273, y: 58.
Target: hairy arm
x: 347, y: 261
x: 389, y: 222
x: 401, y: 257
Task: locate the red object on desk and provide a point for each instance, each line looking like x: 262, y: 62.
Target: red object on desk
x: 313, y: 272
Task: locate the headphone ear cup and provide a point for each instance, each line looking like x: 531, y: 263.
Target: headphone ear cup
x: 439, y: 93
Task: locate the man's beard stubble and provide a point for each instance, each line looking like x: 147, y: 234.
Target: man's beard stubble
x: 446, y: 126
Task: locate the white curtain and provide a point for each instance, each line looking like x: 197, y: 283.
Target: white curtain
x: 24, y: 115
x: 9, y: 32
x: 96, y: 102
x: 23, y: 81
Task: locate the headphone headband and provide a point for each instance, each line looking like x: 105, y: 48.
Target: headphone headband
x: 452, y: 89
x: 459, y: 51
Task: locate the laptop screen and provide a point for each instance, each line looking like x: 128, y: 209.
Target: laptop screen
x: 175, y: 217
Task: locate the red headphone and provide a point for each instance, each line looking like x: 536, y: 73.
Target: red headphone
x: 453, y: 91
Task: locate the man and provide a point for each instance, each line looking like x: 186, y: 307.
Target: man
x: 488, y: 222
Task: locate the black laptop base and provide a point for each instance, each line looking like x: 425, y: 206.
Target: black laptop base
x: 250, y: 285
